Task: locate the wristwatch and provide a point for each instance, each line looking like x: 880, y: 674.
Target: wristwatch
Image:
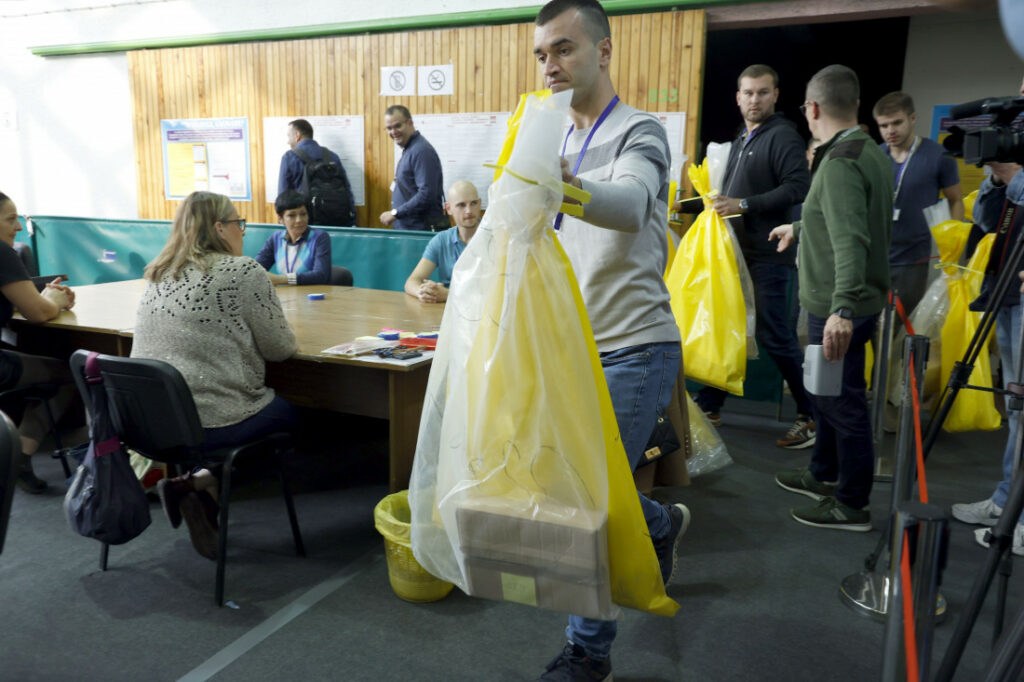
x: 394, y: 213
x: 844, y: 312
x: 744, y: 205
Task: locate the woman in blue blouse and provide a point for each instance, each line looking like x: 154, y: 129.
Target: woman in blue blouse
x: 297, y: 254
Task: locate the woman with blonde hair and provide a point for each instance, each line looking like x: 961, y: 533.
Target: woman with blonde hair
x: 213, y: 314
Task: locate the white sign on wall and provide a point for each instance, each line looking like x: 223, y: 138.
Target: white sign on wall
x: 436, y: 80
x: 397, y: 81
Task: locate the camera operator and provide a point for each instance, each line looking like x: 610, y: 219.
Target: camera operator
x: 998, y: 205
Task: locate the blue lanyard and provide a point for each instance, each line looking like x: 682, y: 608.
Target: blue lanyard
x: 586, y: 144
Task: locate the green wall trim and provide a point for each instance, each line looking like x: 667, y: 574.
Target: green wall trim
x: 416, y: 23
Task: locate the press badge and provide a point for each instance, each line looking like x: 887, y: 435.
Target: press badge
x: 895, y: 214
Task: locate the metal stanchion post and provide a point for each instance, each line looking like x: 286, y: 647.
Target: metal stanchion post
x: 867, y: 592
x: 931, y: 545
x: 880, y: 388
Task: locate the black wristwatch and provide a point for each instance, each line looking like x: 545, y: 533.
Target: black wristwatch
x: 844, y: 312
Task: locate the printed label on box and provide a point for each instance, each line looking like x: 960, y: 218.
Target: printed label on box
x: 518, y: 588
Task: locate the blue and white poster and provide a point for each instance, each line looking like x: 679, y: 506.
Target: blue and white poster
x: 206, y: 154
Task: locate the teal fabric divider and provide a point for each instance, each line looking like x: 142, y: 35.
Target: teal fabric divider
x: 94, y: 251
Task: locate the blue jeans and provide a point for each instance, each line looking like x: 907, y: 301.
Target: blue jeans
x: 844, y: 449
x: 1008, y: 338
x: 278, y: 415
x: 775, y: 332
x: 640, y: 380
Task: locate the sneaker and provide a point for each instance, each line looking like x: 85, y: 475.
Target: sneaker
x: 803, y: 482
x: 984, y: 513
x: 574, y: 664
x: 800, y: 435
x: 831, y: 513
x: 667, y: 547
x: 983, y: 536
x: 714, y: 418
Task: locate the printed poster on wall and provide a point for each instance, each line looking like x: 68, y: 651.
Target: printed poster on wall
x: 206, y: 154
x: 343, y: 135
x: 464, y: 142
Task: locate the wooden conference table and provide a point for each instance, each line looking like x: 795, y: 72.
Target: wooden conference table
x: 104, y: 315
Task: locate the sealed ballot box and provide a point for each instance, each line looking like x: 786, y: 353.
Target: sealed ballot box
x: 553, y: 558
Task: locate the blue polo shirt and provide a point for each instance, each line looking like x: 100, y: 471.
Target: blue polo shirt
x: 443, y: 250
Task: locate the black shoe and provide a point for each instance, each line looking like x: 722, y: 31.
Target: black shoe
x: 667, y: 547
x: 574, y: 665
x: 27, y: 479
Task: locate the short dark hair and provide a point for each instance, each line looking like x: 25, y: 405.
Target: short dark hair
x: 756, y: 71
x: 836, y: 89
x: 398, y: 109
x: 288, y: 200
x: 595, y: 19
x: 303, y: 126
x: 3, y: 198
x: 893, y: 103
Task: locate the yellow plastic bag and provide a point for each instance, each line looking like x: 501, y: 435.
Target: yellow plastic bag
x: 708, y: 300
x: 520, y: 479
x: 972, y: 410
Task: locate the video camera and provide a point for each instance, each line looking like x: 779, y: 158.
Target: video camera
x: 997, y: 141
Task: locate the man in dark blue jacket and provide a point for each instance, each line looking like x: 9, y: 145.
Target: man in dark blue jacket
x: 417, y: 194
x: 766, y: 179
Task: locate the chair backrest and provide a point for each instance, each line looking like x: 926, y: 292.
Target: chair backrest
x: 341, y: 277
x: 28, y: 258
x: 10, y: 456
x: 150, y: 404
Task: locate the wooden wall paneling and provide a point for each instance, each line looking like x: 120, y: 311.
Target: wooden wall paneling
x: 652, y: 54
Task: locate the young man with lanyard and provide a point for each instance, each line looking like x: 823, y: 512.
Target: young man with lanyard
x: 618, y: 252
x: 921, y: 171
x: 843, y: 265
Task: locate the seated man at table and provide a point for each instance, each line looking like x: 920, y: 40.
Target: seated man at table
x: 297, y: 254
x: 445, y: 248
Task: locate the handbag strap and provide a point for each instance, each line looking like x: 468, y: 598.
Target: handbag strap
x: 92, y: 369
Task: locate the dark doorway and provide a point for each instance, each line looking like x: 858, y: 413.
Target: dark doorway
x: 875, y: 49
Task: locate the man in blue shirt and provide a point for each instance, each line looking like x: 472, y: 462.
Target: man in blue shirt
x: 300, y: 136
x: 445, y: 248
x: 417, y: 192
x: 921, y: 171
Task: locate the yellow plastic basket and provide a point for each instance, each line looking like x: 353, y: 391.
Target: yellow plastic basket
x: 408, y: 579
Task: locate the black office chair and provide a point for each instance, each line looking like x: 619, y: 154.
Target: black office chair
x: 341, y: 277
x: 10, y: 455
x: 154, y: 413
x: 28, y: 258
x: 15, y: 398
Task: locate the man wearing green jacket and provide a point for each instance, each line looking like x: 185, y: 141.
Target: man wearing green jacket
x: 843, y: 263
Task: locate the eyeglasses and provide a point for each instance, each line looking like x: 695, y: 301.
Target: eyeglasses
x: 240, y: 221
x: 803, y: 107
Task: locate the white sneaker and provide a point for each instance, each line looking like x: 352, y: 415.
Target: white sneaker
x: 981, y: 535
x: 984, y: 513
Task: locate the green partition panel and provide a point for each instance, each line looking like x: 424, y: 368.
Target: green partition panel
x: 93, y: 251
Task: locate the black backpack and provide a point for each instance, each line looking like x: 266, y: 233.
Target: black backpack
x: 327, y: 191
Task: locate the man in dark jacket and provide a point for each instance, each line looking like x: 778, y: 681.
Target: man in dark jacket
x: 766, y: 179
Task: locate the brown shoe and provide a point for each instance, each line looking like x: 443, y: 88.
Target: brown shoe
x: 210, y: 508
x: 202, y: 533
x: 171, y: 492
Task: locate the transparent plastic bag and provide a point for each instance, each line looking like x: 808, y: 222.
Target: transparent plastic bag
x: 520, y: 488
x: 709, y: 452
